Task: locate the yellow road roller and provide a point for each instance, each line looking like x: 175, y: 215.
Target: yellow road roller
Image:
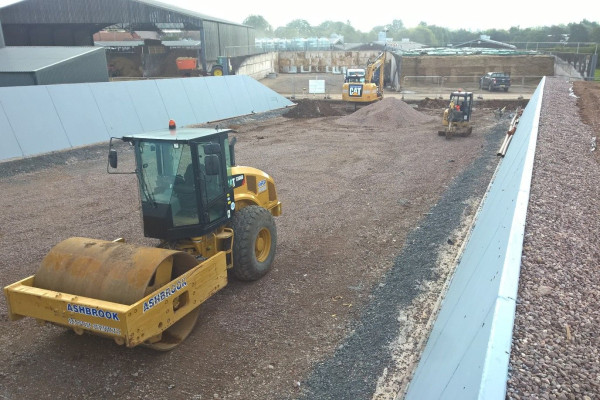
x: 211, y: 217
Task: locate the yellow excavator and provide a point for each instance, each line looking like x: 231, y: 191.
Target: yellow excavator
x: 456, y: 118
x: 211, y: 217
x: 364, y: 86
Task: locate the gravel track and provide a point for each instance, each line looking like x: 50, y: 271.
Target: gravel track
x: 376, y: 359
x: 555, y: 353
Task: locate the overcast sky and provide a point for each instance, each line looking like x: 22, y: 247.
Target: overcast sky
x: 364, y: 15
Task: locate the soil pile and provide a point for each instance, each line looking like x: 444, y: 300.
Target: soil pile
x: 433, y: 103
x: 390, y: 112
x: 307, y: 108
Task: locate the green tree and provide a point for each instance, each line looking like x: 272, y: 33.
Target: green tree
x: 578, y: 32
x: 300, y: 28
x: 499, y: 35
x: 595, y: 34
x: 262, y: 27
x: 422, y: 34
x: 395, y: 29
x: 441, y: 35
x: 431, y: 35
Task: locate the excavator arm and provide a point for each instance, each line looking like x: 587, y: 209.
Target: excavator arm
x: 374, y: 66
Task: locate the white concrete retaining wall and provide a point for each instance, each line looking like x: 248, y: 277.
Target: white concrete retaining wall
x: 41, y: 119
x: 468, y: 350
x: 259, y: 66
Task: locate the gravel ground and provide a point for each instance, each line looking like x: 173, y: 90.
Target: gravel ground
x: 362, y: 260
x: 376, y: 359
x: 351, y: 196
x: 556, y: 343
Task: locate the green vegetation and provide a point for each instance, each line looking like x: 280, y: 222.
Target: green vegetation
x: 559, y: 35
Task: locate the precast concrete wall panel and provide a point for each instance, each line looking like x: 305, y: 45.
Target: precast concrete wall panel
x: 41, y: 119
x: 34, y: 120
x: 260, y: 99
x: 175, y: 99
x: 205, y: 108
x: 467, y: 353
x: 148, y: 104
x: 79, y: 114
x: 222, y: 98
x: 241, y: 100
x: 264, y: 97
x: 10, y: 147
x: 117, y: 109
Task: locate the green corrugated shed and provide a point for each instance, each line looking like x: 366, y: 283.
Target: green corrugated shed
x: 21, y: 66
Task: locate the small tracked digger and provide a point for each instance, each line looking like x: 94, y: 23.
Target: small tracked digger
x: 457, y: 116
x: 211, y: 217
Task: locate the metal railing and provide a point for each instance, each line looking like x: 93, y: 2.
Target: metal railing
x: 436, y: 86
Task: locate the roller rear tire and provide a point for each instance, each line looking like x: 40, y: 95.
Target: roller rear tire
x: 254, y: 243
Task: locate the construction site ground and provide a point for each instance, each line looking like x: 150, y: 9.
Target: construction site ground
x: 375, y: 209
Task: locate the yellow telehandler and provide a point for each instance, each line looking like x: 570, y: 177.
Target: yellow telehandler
x: 210, y: 216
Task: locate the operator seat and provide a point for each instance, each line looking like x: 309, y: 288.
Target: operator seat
x: 186, y: 190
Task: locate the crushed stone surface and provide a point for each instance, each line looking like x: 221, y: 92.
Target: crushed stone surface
x: 556, y: 342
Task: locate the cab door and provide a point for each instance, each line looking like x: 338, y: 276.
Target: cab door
x: 216, y: 197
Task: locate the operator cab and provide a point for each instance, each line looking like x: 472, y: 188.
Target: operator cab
x: 461, y: 104
x: 184, y: 181
x: 355, y: 75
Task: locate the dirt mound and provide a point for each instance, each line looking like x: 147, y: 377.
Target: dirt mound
x: 386, y: 112
x: 307, y: 108
x: 124, y: 66
x: 432, y: 103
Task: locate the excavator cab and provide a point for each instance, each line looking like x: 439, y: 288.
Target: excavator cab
x: 184, y: 181
x: 461, y: 104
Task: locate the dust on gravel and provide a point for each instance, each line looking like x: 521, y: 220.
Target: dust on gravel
x: 350, y: 201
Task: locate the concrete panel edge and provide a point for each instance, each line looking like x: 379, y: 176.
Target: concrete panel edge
x: 495, y: 369
x: 485, y: 375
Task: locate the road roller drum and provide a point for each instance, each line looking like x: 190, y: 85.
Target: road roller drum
x: 111, y: 271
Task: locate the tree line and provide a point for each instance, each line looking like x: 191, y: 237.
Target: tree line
x: 430, y: 35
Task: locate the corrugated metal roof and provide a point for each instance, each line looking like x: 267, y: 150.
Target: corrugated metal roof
x: 486, y: 43
x: 30, y: 59
x: 101, y: 11
x: 135, y: 43
x: 183, y: 11
x: 458, y: 51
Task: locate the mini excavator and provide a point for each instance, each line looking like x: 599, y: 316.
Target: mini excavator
x: 210, y: 216
x: 457, y: 116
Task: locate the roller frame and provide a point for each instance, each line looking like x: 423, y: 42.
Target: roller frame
x: 134, y: 325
